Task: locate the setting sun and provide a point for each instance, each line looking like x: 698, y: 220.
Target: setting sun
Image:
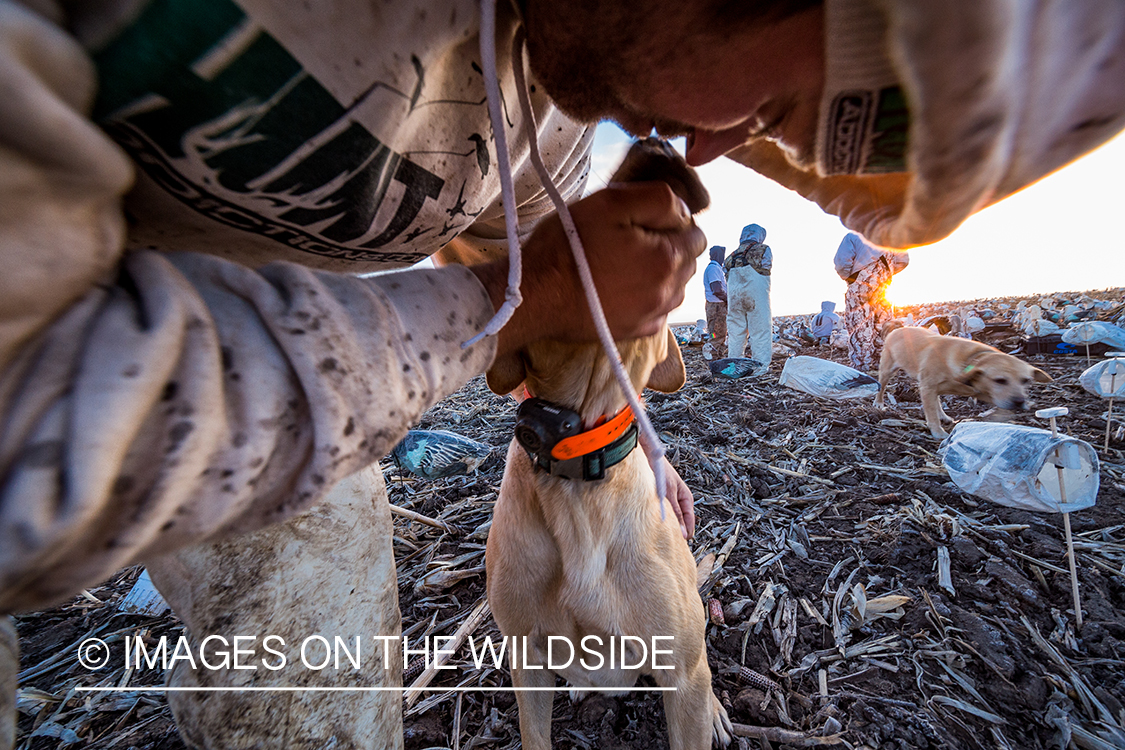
x: 892, y: 294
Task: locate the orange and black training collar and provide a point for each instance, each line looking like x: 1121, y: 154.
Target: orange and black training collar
x: 596, y: 438
x: 585, y: 455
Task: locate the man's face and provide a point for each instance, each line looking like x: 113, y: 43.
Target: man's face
x: 720, y: 87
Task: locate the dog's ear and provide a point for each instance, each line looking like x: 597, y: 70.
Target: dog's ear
x: 669, y: 376
x: 506, y: 373
x: 970, y: 374
x: 1040, y: 376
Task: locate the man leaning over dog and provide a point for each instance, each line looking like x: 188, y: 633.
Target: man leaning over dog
x: 188, y: 360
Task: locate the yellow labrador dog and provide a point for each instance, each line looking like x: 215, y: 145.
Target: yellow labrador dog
x: 583, y: 573
x: 945, y: 365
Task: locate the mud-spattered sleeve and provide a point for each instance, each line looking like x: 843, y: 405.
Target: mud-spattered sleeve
x: 147, y: 401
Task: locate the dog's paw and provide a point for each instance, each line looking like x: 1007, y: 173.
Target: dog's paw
x: 939, y: 433
x: 722, y: 732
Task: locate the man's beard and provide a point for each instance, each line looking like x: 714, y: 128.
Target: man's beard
x: 578, y: 54
x: 576, y: 88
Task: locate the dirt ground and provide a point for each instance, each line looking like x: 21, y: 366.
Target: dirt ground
x: 827, y: 520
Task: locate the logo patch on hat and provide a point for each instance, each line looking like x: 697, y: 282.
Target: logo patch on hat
x: 867, y: 132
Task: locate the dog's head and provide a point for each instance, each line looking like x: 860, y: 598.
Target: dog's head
x: 1001, y: 379
x: 579, y: 376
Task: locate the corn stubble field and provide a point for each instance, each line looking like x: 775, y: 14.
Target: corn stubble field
x: 859, y: 599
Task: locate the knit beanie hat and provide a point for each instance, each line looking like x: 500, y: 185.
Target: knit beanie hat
x: 863, y: 123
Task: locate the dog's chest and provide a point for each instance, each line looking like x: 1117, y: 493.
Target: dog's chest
x: 601, y: 567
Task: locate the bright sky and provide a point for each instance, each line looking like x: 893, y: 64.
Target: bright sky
x: 1065, y: 233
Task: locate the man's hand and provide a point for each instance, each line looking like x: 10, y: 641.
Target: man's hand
x: 681, y: 500
x: 641, y: 244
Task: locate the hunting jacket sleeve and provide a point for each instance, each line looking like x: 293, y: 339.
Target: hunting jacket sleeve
x: 767, y: 260
x: 151, y: 401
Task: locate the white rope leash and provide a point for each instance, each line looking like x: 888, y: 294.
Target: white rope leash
x: 650, y: 443
x: 512, y: 296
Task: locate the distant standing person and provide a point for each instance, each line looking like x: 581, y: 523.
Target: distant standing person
x: 825, y: 322
x: 748, y: 297
x: 715, y: 293
x: 868, y: 271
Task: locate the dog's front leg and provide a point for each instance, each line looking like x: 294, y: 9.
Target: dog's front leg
x: 534, y: 706
x: 931, y: 407
x: 695, y: 716
x: 945, y: 418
